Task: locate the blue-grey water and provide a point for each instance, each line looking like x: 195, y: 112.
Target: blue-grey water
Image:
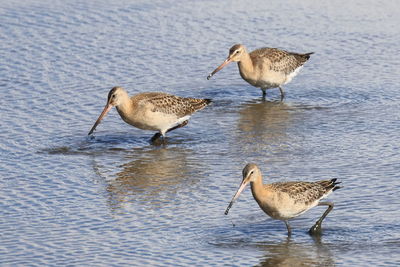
x: 116, y: 200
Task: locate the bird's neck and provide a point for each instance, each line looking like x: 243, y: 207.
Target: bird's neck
x: 125, y: 107
x: 257, y: 189
x: 246, y: 66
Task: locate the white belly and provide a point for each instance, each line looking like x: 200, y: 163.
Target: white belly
x: 147, y: 119
x: 291, y: 75
x: 272, y: 79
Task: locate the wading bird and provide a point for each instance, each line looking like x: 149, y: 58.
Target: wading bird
x: 265, y: 68
x: 160, y: 112
x: 286, y: 200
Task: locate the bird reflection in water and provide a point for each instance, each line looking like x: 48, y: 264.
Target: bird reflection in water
x: 291, y: 254
x: 264, y: 123
x: 151, y: 177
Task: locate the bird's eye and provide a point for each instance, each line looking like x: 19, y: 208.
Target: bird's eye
x: 251, y: 172
x: 237, y: 51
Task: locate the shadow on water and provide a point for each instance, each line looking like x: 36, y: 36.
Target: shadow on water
x: 97, y: 145
x: 93, y: 145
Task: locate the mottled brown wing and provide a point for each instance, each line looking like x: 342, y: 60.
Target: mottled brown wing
x: 281, y: 60
x: 305, y: 192
x: 179, y: 106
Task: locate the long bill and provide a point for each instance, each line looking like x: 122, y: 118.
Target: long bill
x: 106, y: 109
x: 226, y: 62
x: 241, y: 188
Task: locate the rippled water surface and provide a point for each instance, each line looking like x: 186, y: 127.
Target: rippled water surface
x: 116, y: 200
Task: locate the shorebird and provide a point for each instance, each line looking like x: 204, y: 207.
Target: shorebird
x: 155, y: 111
x: 265, y: 68
x: 286, y: 200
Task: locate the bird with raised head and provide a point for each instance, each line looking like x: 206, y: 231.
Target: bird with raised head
x: 265, y: 68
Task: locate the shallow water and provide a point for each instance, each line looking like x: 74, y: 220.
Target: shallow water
x: 117, y: 200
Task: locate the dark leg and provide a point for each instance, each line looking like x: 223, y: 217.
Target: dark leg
x: 282, y: 93
x: 289, y: 230
x: 155, y: 137
x: 264, y: 93
x: 316, y: 229
x: 178, y: 126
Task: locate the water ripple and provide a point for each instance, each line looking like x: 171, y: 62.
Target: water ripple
x: 115, y: 199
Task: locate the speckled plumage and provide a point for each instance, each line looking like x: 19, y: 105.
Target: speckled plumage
x: 171, y: 104
x: 157, y: 111
x: 304, y: 192
x: 265, y: 68
x: 280, y: 60
x: 286, y: 200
